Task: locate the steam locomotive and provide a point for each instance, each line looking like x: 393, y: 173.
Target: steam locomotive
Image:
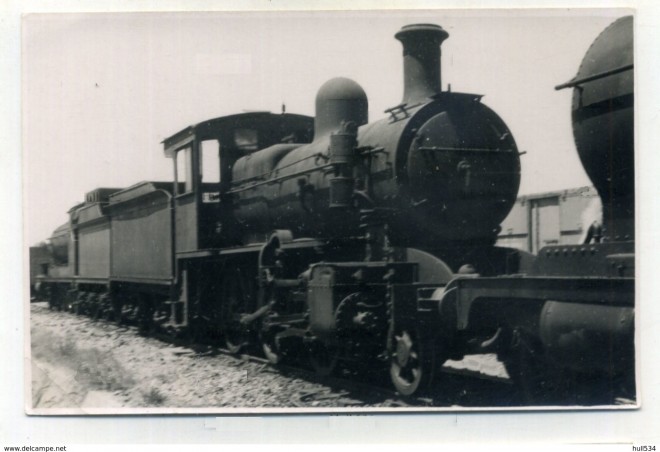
x: 371, y: 242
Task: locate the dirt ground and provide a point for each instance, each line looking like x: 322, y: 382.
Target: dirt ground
x: 92, y: 366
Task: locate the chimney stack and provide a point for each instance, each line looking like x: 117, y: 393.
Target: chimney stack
x: 421, y: 61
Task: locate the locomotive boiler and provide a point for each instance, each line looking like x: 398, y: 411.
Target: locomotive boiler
x: 370, y: 244
x: 441, y: 166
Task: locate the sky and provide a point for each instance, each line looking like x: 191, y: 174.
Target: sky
x: 101, y: 91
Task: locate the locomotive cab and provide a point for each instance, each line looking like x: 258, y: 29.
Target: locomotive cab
x: 203, y: 156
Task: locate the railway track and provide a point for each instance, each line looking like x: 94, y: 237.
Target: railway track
x: 462, y: 384
x: 352, y: 390
x: 346, y: 388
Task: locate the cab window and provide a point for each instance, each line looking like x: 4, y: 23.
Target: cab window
x: 184, y: 173
x: 247, y: 140
x: 209, y: 163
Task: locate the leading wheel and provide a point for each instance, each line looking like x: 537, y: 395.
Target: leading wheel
x: 411, y: 363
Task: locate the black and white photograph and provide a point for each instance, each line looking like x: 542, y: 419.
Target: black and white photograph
x: 355, y: 224
x: 330, y: 211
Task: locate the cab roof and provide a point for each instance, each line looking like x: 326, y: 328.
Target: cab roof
x: 271, y: 128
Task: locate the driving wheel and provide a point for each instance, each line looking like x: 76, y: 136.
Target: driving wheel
x: 235, y: 334
x: 323, y: 357
x: 270, y: 346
